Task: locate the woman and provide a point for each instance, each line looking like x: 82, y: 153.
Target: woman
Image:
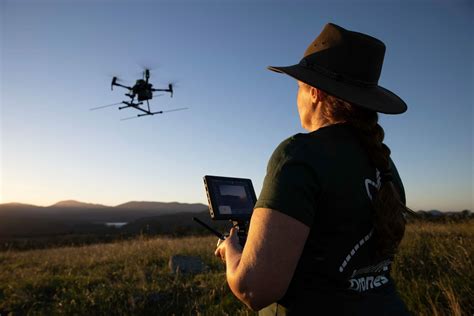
x: 330, y: 216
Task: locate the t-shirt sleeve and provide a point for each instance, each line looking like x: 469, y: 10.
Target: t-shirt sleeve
x: 290, y: 185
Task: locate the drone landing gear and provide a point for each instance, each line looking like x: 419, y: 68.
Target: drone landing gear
x: 131, y: 105
x: 150, y: 113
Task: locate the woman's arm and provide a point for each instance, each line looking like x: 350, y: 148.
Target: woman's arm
x: 260, y: 274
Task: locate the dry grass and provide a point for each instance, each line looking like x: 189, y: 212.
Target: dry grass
x: 433, y: 271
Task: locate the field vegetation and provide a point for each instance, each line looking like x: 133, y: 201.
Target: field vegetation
x: 434, y: 274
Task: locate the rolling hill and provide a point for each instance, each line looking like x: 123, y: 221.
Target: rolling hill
x: 72, y: 217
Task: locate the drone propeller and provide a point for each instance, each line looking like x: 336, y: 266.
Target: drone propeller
x: 146, y: 67
x: 146, y: 74
x: 170, y: 88
x: 173, y: 84
x: 151, y: 65
x: 117, y: 81
x: 104, y: 106
x: 158, y: 95
x: 114, y: 82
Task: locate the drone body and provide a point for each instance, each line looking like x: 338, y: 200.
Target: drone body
x: 142, y: 91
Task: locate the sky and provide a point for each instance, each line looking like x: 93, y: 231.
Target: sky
x: 58, y: 58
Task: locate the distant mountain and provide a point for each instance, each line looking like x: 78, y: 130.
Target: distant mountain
x: 16, y: 205
x: 22, y: 220
x: 72, y: 217
x: 77, y: 204
x: 163, y: 206
x: 132, y: 205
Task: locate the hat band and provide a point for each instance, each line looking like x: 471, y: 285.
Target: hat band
x: 335, y: 75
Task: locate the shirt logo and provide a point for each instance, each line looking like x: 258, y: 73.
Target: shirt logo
x: 371, y: 186
x: 354, y: 250
x: 366, y: 283
x: 359, y: 282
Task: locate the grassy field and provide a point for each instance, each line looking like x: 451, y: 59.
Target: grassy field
x: 434, y: 272
x: 435, y: 268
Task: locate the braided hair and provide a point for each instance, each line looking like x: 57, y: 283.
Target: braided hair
x: 388, y: 211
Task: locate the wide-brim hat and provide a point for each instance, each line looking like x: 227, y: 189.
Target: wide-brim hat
x: 346, y: 64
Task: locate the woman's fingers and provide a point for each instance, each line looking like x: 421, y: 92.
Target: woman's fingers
x: 220, y: 251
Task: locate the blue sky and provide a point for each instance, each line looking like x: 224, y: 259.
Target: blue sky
x: 58, y: 57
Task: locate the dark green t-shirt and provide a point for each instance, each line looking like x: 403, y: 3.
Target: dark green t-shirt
x: 324, y: 180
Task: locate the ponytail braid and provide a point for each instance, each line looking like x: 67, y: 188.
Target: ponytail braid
x: 388, y: 210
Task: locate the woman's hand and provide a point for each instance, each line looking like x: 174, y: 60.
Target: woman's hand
x: 229, y: 245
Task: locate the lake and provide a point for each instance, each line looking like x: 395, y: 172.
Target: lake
x: 116, y: 224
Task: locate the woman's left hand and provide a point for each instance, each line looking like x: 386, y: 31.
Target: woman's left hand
x: 230, y: 244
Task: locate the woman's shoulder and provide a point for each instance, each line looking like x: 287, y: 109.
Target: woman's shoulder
x: 299, y: 144
x: 315, y: 146
x: 291, y: 146
x: 297, y: 148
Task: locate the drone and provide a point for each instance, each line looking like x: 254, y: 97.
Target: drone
x: 142, y: 91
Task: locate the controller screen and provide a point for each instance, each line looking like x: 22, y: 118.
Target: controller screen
x: 233, y: 198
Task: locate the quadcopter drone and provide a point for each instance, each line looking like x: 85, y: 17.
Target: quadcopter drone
x: 142, y: 91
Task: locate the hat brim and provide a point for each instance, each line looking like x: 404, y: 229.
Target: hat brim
x: 374, y: 98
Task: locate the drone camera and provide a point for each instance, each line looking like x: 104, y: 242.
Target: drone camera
x: 114, y: 80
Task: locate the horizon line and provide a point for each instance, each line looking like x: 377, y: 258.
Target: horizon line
x: 99, y: 204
